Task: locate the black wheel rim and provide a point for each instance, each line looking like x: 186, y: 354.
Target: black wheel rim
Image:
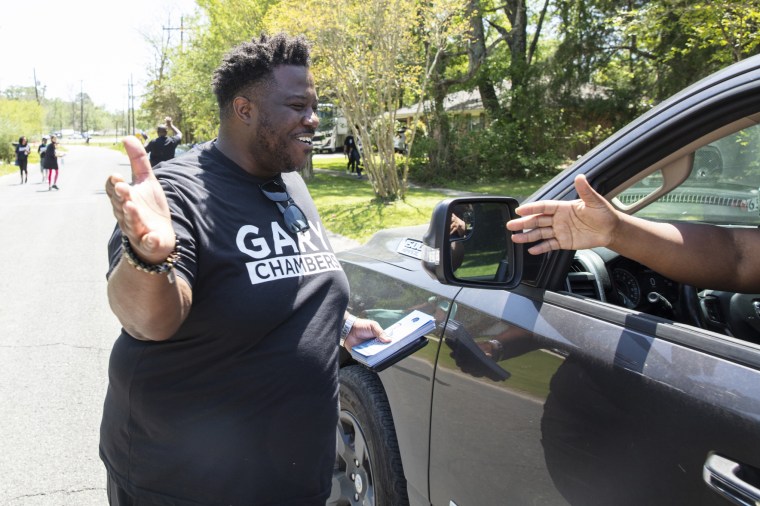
x: 352, y: 482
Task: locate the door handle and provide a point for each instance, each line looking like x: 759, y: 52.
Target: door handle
x: 732, y: 480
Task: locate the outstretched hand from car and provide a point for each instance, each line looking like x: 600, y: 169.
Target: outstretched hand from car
x: 587, y: 222
x: 140, y: 208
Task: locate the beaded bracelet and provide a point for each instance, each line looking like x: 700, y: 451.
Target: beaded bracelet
x: 165, y: 266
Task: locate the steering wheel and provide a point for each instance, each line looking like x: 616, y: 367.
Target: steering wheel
x: 734, y: 314
x: 689, y: 309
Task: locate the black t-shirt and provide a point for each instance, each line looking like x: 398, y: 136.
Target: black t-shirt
x: 51, y: 160
x: 22, y: 152
x: 350, y: 147
x: 240, y: 406
x: 162, y: 148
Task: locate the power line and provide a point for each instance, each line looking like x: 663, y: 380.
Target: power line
x: 181, y: 29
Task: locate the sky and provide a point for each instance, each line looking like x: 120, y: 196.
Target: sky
x: 92, y: 45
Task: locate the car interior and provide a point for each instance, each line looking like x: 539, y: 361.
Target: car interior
x: 713, y: 180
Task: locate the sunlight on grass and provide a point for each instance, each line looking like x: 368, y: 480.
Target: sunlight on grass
x: 7, y: 168
x: 348, y: 206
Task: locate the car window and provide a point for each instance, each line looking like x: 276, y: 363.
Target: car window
x: 721, y: 188
x: 717, y: 183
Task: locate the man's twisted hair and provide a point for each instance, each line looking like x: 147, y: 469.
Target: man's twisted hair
x: 253, y: 62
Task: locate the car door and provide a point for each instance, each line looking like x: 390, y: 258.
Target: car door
x: 555, y: 393
x: 599, y: 407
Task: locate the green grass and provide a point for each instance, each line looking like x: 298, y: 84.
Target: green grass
x: 348, y: 206
x: 512, y: 188
x: 7, y: 168
x: 10, y: 168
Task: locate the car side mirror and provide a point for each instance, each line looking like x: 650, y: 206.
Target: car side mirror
x: 468, y: 244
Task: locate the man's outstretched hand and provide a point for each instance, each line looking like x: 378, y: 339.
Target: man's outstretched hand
x: 140, y: 208
x: 588, y: 222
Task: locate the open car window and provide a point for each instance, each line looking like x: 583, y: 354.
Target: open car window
x: 715, y: 180
x: 718, y: 183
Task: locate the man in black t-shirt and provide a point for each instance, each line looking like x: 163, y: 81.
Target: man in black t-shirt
x: 162, y: 148
x: 232, y: 304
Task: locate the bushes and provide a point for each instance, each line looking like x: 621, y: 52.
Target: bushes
x: 500, y: 151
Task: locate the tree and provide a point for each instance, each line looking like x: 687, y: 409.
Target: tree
x: 20, y: 93
x: 640, y: 52
x: 680, y: 41
x: 57, y: 114
x: 161, y: 98
x: 450, y: 32
x: 221, y: 25
x: 17, y: 118
x: 367, y: 55
x: 360, y: 52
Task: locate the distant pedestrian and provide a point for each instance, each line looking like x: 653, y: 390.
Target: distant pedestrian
x: 163, y: 147
x: 399, y: 141
x: 351, y: 149
x: 41, y: 151
x: 22, y: 157
x: 359, y: 153
x: 51, y: 162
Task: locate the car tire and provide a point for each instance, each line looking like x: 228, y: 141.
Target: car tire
x: 368, y: 468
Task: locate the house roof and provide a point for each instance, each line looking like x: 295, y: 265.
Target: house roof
x: 469, y: 102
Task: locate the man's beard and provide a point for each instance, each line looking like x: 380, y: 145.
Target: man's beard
x: 274, y: 149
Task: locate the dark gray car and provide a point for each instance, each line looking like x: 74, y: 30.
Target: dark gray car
x: 578, y: 377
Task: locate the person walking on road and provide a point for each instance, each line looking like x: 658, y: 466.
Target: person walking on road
x: 163, y: 147
x: 232, y: 304
x: 22, y: 157
x: 52, y: 154
x: 41, y: 151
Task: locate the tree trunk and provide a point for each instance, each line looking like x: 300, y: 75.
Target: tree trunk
x: 477, y: 54
x: 518, y: 49
x: 440, y: 154
x: 307, y: 173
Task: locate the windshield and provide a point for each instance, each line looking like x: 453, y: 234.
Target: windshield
x: 722, y: 189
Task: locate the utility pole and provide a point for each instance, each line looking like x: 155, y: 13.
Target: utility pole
x: 129, y: 112
x: 36, y: 83
x: 81, y: 109
x: 131, y: 124
x: 181, y: 29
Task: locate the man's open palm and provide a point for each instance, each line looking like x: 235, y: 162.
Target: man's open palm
x: 141, y: 209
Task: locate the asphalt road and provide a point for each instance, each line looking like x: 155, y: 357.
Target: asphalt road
x: 56, y: 331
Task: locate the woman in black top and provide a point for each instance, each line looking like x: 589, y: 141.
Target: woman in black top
x: 22, y: 156
x: 51, y: 162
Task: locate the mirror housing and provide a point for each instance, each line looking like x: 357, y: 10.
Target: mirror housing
x: 467, y: 243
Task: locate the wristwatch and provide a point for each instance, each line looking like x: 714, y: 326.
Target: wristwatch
x: 347, y: 326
